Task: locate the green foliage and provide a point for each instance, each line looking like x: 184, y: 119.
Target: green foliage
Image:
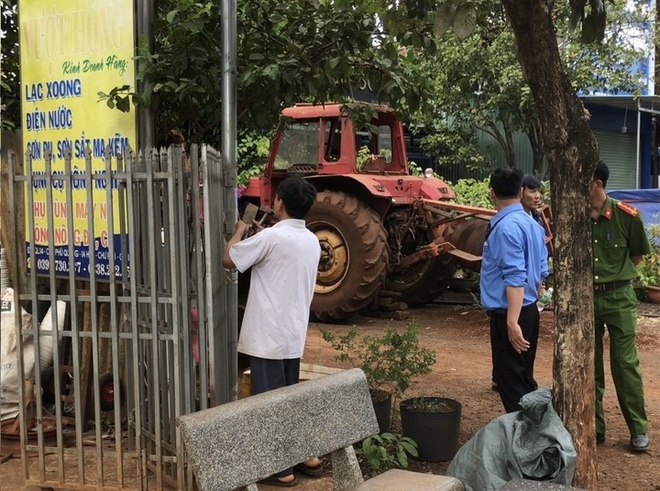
x: 9, y: 83
x: 363, y: 154
x: 415, y: 169
x: 287, y: 52
x: 389, y: 360
x: 119, y: 97
x: 387, y: 451
x: 648, y: 270
x: 451, y: 145
x: 252, y: 150
x: 492, y: 95
x: 430, y: 405
x: 604, y: 64
x: 592, y: 15
x: 472, y: 192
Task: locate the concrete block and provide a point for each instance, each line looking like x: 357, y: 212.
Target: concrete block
x: 398, y: 479
x: 241, y: 442
x: 526, y: 485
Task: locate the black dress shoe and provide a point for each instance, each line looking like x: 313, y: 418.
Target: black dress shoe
x: 600, y: 438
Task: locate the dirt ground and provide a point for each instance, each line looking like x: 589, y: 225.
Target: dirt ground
x: 459, y: 336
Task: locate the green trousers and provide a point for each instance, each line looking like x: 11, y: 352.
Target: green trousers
x: 617, y: 310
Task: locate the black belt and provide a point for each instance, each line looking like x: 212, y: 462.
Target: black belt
x: 612, y: 285
x: 503, y: 311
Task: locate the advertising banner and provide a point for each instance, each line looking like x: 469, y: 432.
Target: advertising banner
x: 69, y: 52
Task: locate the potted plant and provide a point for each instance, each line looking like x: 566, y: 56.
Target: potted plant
x: 389, y: 362
x: 648, y: 270
x: 434, y: 424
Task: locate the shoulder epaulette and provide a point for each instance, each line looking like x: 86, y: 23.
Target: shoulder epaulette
x: 629, y: 209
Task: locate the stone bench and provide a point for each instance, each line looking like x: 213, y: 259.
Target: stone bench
x: 234, y: 445
x: 525, y: 485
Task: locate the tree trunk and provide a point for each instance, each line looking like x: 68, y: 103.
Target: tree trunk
x: 535, y: 137
x: 502, y: 134
x: 572, y: 155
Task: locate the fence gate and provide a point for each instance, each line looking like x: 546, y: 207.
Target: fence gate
x: 133, y: 319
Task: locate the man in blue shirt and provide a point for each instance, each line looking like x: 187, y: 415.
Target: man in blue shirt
x: 514, y: 263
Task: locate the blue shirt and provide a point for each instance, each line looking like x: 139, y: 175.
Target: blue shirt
x: 514, y: 255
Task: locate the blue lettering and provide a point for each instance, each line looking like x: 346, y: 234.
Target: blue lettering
x: 34, y: 150
x: 63, y: 146
x: 99, y: 148
x: 63, y: 88
x: 80, y: 147
x: 34, y: 92
x: 35, y: 120
x: 60, y: 118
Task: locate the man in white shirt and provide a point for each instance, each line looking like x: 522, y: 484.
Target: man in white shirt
x: 284, y: 259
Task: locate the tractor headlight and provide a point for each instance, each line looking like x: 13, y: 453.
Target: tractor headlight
x: 428, y: 173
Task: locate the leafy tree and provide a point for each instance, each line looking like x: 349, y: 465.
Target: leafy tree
x: 252, y: 152
x: 478, y: 83
x: 453, y: 144
x: 10, y: 69
x: 313, y: 50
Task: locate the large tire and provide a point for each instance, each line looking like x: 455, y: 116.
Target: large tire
x: 423, y: 281
x: 354, y: 258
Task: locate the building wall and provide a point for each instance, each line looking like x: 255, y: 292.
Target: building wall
x: 619, y: 148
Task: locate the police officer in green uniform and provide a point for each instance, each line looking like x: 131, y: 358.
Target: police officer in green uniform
x: 619, y: 242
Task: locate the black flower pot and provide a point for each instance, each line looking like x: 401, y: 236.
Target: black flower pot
x: 382, y: 402
x: 434, y: 424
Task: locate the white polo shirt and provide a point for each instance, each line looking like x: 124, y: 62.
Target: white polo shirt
x: 284, y: 260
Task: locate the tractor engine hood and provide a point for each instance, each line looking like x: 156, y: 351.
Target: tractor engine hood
x: 405, y: 188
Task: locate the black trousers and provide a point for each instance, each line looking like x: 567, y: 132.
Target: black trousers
x: 266, y: 375
x: 514, y: 372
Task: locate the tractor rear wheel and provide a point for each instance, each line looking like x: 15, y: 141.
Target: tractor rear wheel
x: 354, y: 257
x: 423, y: 281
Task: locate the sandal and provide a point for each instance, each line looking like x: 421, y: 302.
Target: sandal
x: 276, y: 481
x: 315, y: 471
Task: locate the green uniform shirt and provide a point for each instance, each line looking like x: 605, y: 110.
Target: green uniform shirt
x: 617, y: 235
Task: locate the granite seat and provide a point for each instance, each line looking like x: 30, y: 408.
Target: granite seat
x: 234, y: 445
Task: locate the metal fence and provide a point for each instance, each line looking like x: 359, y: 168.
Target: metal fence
x: 149, y: 322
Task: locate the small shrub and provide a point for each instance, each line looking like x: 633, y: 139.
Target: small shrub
x: 473, y: 193
x: 430, y: 405
x: 387, y: 451
x: 389, y: 361
x: 648, y: 270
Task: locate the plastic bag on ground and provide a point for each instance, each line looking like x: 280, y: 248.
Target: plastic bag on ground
x: 9, y: 374
x: 529, y: 444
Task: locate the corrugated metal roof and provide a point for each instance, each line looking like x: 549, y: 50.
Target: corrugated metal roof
x: 646, y: 103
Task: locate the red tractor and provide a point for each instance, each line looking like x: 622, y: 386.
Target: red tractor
x: 380, y: 228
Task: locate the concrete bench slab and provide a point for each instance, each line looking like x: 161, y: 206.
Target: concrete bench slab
x: 400, y: 480
x: 234, y: 445
x: 526, y: 485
